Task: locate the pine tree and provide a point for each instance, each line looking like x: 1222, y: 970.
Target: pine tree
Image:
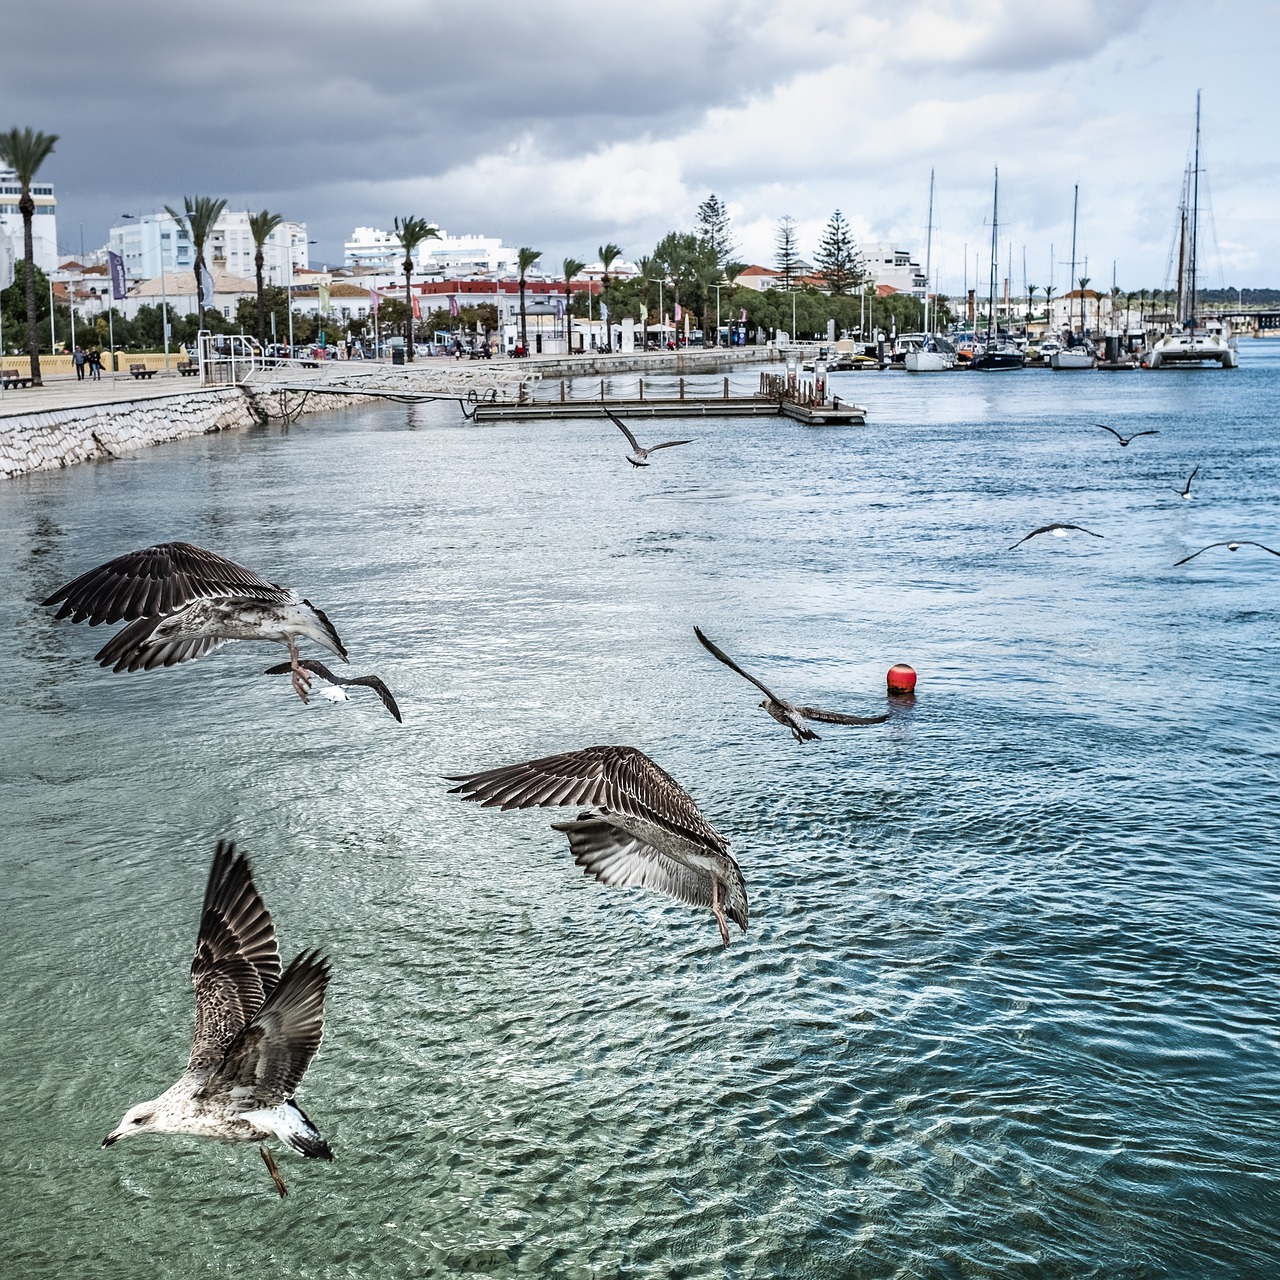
x: 787, y: 255
x: 839, y: 262
x: 713, y: 228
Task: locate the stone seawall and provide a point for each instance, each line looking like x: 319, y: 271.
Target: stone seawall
x: 61, y: 437
x: 679, y: 362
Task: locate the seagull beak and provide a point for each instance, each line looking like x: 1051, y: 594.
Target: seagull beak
x: 111, y: 1137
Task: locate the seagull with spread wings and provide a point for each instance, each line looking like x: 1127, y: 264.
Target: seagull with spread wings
x: 257, y: 1030
x: 1124, y: 440
x: 1230, y: 546
x: 638, y: 455
x: 1185, y: 491
x: 1058, y: 531
x: 182, y: 602
x: 336, y: 687
x: 784, y: 712
x: 641, y: 827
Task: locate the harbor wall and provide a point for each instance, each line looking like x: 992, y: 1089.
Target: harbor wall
x: 45, y: 441
x: 677, y: 362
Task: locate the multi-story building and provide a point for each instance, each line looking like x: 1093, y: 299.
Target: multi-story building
x: 886, y: 264
x: 448, y: 256
x: 154, y: 242
x: 44, y: 225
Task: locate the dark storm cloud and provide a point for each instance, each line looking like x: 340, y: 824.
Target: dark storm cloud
x: 272, y: 102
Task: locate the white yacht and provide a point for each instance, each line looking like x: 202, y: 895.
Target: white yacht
x: 1078, y: 352
x: 932, y: 355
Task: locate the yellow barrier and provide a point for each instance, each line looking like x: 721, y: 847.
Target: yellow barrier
x: 53, y: 366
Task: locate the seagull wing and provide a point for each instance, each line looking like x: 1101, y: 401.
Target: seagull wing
x: 1186, y: 488
x: 1247, y: 543
x: 622, y: 426
x: 1044, y: 528
x: 156, y: 581
x: 1079, y: 528
x: 717, y: 652
x: 237, y: 962
x: 132, y: 648
x: 319, y: 669
x: 1201, y: 552
x: 619, y: 780
x: 622, y: 861
x: 1136, y: 434
x: 668, y: 444
x: 1113, y: 431
x: 838, y: 717
x: 272, y: 1052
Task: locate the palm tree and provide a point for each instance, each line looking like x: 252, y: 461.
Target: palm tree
x: 261, y: 225
x: 571, y: 268
x: 1083, y: 282
x: 1142, y: 309
x: 411, y: 232
x: 525, y: 258
x: 648, y: 274
x: 1048, y: 307
x: 1032, y: 289
x: 24, y: 151
x: 201, y: 213
x: 609, y: 254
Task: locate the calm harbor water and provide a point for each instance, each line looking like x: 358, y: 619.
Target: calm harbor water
x: 1009, y: 1001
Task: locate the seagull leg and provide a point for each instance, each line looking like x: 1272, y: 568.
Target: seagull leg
x: 269, y: 1160
x: 719, y: 911
x: 301, y: 680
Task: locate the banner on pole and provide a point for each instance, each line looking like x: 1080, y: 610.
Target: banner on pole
x: 119, y: 286
x: 322, y: 292
x: 453, y: 306
x: 679, y: 312
x: 374, y: 301
x: 417, y: 306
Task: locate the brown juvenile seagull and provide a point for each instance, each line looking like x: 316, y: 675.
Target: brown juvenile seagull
x: 182, y: 602
x: 638, y: 455
x: 337, y: 685
x: 780, y: 709
x: 642, y: 827
x: 256, y: 1030
x: 1230, y: 546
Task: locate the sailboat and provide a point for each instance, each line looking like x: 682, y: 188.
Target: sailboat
x: 1078, y: 353
x: 995, y: 353
x: 929, y: 357
x: 1198, y: 343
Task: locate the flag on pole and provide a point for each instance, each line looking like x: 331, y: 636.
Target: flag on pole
x: 322, y: 292
x: 742, y: 319
x: 453, y: 305
x: 679, y: 311
x: 417, y: 306
x: 559, y: 308
x: 374, y: 301
x: 119, y: 286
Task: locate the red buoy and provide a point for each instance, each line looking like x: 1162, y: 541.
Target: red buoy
x: 901, y: 678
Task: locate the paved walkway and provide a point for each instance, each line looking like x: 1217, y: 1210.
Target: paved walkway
x: 62, y: 392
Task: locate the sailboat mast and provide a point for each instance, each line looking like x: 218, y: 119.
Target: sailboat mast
x: 995, y: 249
x: 1182, y: 247
x: 1071, y: 298
x: 1195, y: 218
x: 928, y: 256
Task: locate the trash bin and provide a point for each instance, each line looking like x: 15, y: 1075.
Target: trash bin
x: 397, y: 355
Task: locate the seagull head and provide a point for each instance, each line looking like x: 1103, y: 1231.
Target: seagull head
x: 139, y: 1119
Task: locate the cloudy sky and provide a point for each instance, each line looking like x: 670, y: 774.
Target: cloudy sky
x: 561, y: 125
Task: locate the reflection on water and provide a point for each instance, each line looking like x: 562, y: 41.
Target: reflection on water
x: 1009, y: 998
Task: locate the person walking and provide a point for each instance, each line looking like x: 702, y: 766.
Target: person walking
x: 78, y: 359
x: 95, y: 364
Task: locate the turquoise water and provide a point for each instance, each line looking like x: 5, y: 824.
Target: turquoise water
x: 1009, y: 1001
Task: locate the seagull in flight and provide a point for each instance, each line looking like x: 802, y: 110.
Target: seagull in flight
x: 1124, y: 440
x: 182, y: 602
x: 1230, y: 546
x: 337, y: 686
x: 638, y: 455
x: 1185, y: 491
x: 780, y: 709
x: 1058, y: 531
x: 257, y: 1030
x: 641, y: 827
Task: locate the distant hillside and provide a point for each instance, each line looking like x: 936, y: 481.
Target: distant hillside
x: 1246, y: 297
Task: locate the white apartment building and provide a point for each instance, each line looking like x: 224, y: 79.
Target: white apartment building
x: 886, y: 264
x: 154, y: 242
x: 451, y: 256
x: 44, y: 225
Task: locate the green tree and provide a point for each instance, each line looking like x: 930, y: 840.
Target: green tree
x: 786, y: 253
x: 24, y: 151
x: 571, y: 268
x: 1048, y: 305
x: 839, y: 262
x: 411, y: 232
x: 525, y: 258
x: 261, y: 225
x: 688, y: 262
x: 272, y: 300
x: 712, y: 222
x: 201, y: 214
x: 609, y: 254
x: 648, y: 275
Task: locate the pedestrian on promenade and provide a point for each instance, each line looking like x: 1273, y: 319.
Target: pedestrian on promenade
x: 78, y: 359
x: 95, y: 364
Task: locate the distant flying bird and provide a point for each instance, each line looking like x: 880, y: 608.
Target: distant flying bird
x: 1185, y: 491
x: 642, y: 827
x: 337, y: 685
x: 1124, y: 440
x: 256, y: 1030
x: 1058, y: 531
x: 1230, y: 546
x: 182, y: 602
x: 780, y: 709
x: 638, y: 455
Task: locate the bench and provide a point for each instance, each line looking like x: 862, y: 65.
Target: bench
x: 188, y: 368
x: 11, y: 378
x: 141, y: 371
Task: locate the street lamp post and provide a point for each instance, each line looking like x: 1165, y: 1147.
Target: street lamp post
x: 793, y: 315
x: 717, y: 288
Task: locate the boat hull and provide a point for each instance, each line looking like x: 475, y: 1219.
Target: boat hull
x: 1072, y: 360
x: 1182, y: 351
x: 998, y: 361
x: 926, y: 362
